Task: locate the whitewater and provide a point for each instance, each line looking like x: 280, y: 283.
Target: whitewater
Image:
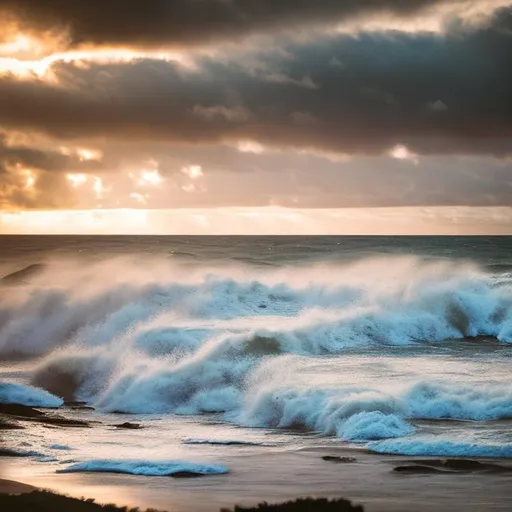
x: 395, y: 346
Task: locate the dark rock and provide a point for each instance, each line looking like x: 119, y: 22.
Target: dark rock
x: 187, y: 474
x: 73, y: 403
x: 262, y: 306
x: 20, y: 410
x: 30, y: 414
x: 303, y: 505
x: 83, y: 408
x: 7, y: 452
x: 130, y: 426
x: 338, y: 460
x: 418, y: 470
x: 458, y: 466
x: 467, y: 465
x: 63, y: 422
x: 9, y: 425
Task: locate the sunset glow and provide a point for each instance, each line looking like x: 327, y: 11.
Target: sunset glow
x: 143, y: 110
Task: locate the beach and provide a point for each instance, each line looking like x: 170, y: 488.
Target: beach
x: 279, y: 477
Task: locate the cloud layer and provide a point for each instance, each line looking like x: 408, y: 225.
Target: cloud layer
x: 193, y: 22
x: 295, y: 103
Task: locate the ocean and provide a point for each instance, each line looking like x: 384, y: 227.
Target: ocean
x: 237, y: 352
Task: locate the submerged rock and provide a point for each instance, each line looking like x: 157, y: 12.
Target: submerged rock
x: 452, y: 466
x: 7, y: 452
x: 418, y: 470
x: 130, y: 426
x: 338, y: 460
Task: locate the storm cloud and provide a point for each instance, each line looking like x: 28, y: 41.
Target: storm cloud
x: 192, y: 22
x: 435, y: 95
x: 249, y: 103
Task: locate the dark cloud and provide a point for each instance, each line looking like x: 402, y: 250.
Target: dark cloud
x: 43, y: 159
x: 32, y: 177
x: 434, y: 94
x: 185, y: 22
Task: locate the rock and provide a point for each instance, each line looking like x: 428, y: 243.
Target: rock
x: 63, y: 422
x: 338, y: 460
x: 186, y: 474
x: 418, y: 470
x: 9, y: 425
x: 23, y: 412
x: 465, y: 465
x: 73, y: 403
x: 20, y: 410
x: 468, y: 465
x: 130, y: 426
x: 454, y: 466
x: 7, y: 452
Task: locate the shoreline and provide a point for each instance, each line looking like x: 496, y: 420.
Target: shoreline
x: 278, y: 477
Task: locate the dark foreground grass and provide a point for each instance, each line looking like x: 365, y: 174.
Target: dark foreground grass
x: 303, y: 505
x: 45, y: 501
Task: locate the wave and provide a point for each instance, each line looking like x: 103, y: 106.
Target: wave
x: 146, y: 468
x: 13, y: 393
x: 442, y: 448
x: 317, y: 309
x: 265, y: 347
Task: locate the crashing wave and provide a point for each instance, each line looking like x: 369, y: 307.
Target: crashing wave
x: 247, y: 342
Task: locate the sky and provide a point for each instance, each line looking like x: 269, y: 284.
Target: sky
x: 256, y: 116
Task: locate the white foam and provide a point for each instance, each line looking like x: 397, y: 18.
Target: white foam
x: 145, y: 467
x: 440, y: 447
x: 245, y: 342
x: 373, y: 425
x: 13, y: 393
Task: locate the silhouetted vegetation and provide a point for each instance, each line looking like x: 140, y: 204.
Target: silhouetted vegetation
x: 45, y: 501
x: 303, y: 505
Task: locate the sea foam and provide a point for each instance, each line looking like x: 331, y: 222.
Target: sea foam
x: 145, y: 467
x: 264, y: 347
x: 440, y: 447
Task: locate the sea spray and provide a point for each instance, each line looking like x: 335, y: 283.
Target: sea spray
x: 235, y: 340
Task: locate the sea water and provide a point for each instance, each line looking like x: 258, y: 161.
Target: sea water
x: 395, y: 345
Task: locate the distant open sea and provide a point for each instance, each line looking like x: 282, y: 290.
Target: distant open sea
x: 392, y: 345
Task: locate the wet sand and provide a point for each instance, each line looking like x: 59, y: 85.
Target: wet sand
x: 275, y: 477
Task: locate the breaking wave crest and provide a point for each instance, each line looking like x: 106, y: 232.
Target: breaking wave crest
x: 154, y: 338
